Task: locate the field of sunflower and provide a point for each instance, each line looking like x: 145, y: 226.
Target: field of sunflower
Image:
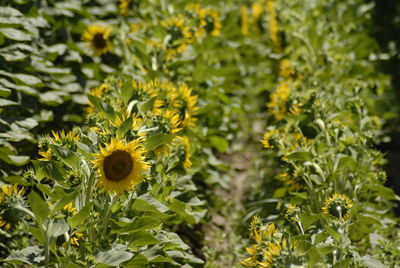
x: 199, y: 134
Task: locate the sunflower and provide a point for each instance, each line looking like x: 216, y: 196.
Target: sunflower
x: 10, y: 196
x: 188, y: 106
x: 288, y: 180
x: 270, y: 248
x: 244, y: 24
x: 168, y: 123
x: 124, y: 7
x: 210, y: 21
x: 292, y: 212
x: 256, y: 18
x: 278, y: 100
x: 97, y: 35
x: 166, y: 94
x: 47, y: 156
x: 179, y: 35
x: 338, y: 206
x: 273, y: 24
x: 186, y: 144
x: 121, y: 165
x: 268, y: 137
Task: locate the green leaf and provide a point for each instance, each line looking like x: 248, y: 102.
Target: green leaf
x: 49, y: 169
x: 38, y: 206
x: 68, y: 157
x: 17, y: 160
x: 125, y: 127
x: 113, y: 257
x: 220, y: 143
x: 82, y: 215
x: 26, y: 79
x: 64, y: 201
x: 146, y: 106
x: 5, y: 102
x: 148, y: 203
x: 102, y: 107
x: 142, y: 238
x: 157, y: 140
x: 58, y: 228
x: 139, y: 261
x: 126, y: 92
x: 333, y: 233
x: 299, y: 156
x: 371, y: 262
x: 30, y: 255
x: 9, y: 12
x: 52, y: 98
x: 138, y: 224
x: 4, y: 92
x: 15, y: 34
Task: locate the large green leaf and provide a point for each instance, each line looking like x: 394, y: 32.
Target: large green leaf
x: 38, y: 206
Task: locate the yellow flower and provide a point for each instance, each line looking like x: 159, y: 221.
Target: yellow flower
x: 256, y: 19
x: 179, y: 35
x: 189, y: 107
x: 244, y: 25
x: 46, y: 155
x: 124, y: 7
x: 285, y: 69
x: 97, y: 35
x: 292, y: 212
x: 186, y: 144
x: 269, y: 244
x: 209, y: 21
x: 289, y: 181
x: 10, y: 216
x: 273, y: 25
x: 135, y: 27
x: 278, y: 99
x: 267, y: 136
x: 61, y: 137
x: 120, y: 165
x: 338, y: 206
x: 69, y: 208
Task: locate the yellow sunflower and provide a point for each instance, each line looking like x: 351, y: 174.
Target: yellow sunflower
x: 338, y: 206
x: 97, y: 35
x: 210, y: 22
x: 124, y: 7
x: 120, y: 165
x: 10, y: 195
x: 244, y: 24
x: 179, y: 35
x: 47, y: 156
x: 189, y: 106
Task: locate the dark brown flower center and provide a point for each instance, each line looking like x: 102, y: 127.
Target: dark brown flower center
x: 118, y: 165
x: 99, y: 41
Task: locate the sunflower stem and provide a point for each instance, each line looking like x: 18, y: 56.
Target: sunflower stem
x: 107, y: 215
x: 89, y: 189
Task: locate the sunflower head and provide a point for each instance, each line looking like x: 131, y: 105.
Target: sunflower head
x: 97, y: 35
x: 210, y: 21
x: 120, y: 165
x: 188, y: 106
x: 338, y: 206
x: 124, y: 7
x: 292, y: 213
x: 179, y: 35
x: 10, y: 196
x: 244, y: 24
x: 290, y: 181
x: 270, y: 246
